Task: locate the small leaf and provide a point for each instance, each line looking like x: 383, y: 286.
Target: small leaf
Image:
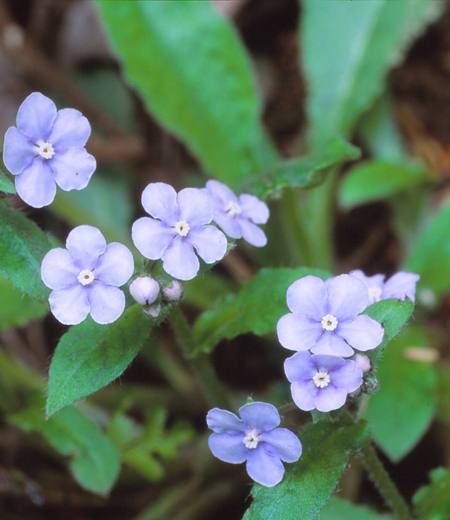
x: 256, y: 308
x: 338, y: 509
x: 5, y: 184
x: 304, y: 172
x: 432, y: 502
x: 22, y: 247
x: 94, y: 459
x: 192, y: 69
x: 16, y: 308
x: 308, y: 483
x: 90, y: 356
x: 405, y: 386
x: 376, y: 180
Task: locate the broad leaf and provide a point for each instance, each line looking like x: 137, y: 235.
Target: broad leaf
x: 347, y: 49
x: 90, y: 356
x: 376, y: 180
x: 256, y: 308
x: 304, y: 172
x: 94, y: 459
x: 16, y: 308
x: 5, y: 184
x: 190, y: 66
x: 406, y: 401
x: 308, y: 483
x: 432, y: 502
x: 22, y: 247
x: 338, y: 509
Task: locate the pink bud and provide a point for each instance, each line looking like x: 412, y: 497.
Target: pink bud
x: 144, y: 290
x: 173, y: 292
x: 153, y: 311
x: 363, y: 362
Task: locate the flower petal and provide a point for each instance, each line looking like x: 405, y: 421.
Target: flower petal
x: 35, y: 116
x: 70, y: 306
x: 228, y: 224
x: 151, y: 237
x: 70, y: 128
x: 86, y: 244
x: 72, y: 168
x: 209, y: 242
x: 254, y: 209
x: 58, y: 270
x: 304, y: 394
x: 261, y: 416
x: 18, y: 151
x: 220, y: 193
x: 195, y: 207
x: 115, y: 266
x: 348, y: 376
x: 221, y: 421
x: 401, y: 285
x: 282, y: 443
x: 180, y: 261
x: 296, y: 332
x: 307, y: 296
x: 300, y: 367
x: 252, y: 233
x: 363, y: 333
x: 330, y: 398
x: 228, y: 447
x: 347, y: 296
x: 35, y: 185
x: 264, y: 468
x: 160, y: 201
x: 331, y: 344
x: 106, y: 302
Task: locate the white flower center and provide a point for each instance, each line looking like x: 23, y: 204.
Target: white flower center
x: 86, y: 277
x: 374, y: 294
x: 322, y: 379
x: 251, y: 439
x: 329, y: 322
x: 46, y: 150
x: 233, y: 209
x: 182, y: 228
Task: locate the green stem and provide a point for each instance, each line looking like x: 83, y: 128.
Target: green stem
x: 384, y: 483
x: 201, y: 364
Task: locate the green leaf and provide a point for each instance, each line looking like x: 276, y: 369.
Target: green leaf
x: 191, y: 68
x: 5, y: 184
x: 376, y: 180
x: 256, y: 308
x: 22, y: 247
x: 90, y: 356
x: 405, y: 386
x: 16, y: 308
x: 304, y: 172
x: 393, y: 315
x: 430, y: 257
x: 347, y: 49
x: 433, y: 502
x: 338, y: 509
x: 307, y: 483
x: 94, y: 459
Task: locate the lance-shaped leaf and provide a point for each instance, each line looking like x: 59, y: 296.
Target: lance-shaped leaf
x: 308, y: 483
x: 90, y: 356
x: 192, y: 70
x: 432, y: 502
x: 338, y: 509
x: 22, y: 247
x: 256, y: 308
x: 5, y: 184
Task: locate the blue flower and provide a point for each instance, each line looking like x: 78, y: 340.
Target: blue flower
x: 256, y: 439
x: 47, y: 148
x: 400, y: 285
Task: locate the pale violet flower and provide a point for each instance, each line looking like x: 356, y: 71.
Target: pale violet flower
x: 400, y: 285
x: 144, y: 290
x: 321, y: 382
x: 179, y: 224
x: 238, y: 216
x: 47, y: 148
x: 85, y: 277
x: 256, y: 439
x: 325, y: 317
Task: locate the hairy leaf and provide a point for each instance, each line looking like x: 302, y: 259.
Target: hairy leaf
x: 432, y: 502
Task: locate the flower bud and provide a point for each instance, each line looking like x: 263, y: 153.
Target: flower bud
x: 363, y: 362
x: 153, y: 311
x: 144, y: 290
x: 173, y: 292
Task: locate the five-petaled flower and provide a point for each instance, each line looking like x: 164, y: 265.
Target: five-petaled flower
x: 400, y: 285
x: 85, y: 277
x: 324, y: 317
x: 234, y: 214
x: 256, y: 439
x: 179, y: 224
x: 321, y: 382
x: 47, y: 147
